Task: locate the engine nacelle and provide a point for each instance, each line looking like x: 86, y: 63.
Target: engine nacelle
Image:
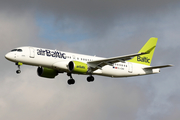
x: 46, y: 72
x: 78, y: 67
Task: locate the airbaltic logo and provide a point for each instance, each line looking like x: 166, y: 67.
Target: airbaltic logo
x: 50, y: 53
x: 79, y: 66
x: 143, y: 59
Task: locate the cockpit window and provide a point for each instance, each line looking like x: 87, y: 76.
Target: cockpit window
x: 19, y: 50
x: 13, y: 50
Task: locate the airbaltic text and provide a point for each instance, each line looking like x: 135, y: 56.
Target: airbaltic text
x: 143, y: 59
x: 79, y: 66
x: 51, y: 53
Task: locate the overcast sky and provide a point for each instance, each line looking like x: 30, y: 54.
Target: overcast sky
x: 97, y: 27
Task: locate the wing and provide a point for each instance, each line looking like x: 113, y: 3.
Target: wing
x: 155, y: 67
x: 98, y: 64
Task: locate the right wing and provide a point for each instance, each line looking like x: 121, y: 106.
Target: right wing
x: 98, y: 64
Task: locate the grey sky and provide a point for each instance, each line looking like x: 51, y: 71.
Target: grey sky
x: 113, y: 28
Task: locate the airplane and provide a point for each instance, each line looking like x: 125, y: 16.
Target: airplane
x: 52, y: 62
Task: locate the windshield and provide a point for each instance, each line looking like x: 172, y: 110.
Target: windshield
x: 18, y: 50
x: 13, y: 50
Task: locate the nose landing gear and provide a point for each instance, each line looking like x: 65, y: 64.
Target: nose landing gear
x: 18, y: 64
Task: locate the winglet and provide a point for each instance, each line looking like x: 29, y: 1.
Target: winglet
x: 149, y: 51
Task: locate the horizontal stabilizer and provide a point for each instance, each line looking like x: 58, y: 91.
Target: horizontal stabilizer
x: 155, y: 67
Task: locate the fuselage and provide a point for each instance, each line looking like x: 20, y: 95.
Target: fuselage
x: 53, y: 58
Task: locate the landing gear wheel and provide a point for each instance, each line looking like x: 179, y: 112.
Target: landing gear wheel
x: 90, y: 79
x: 71, y: 81
x: 18, y: 71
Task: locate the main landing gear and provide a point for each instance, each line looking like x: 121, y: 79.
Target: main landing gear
x: 90, y: 78
x: 71, y: 81
x: 18, y: 64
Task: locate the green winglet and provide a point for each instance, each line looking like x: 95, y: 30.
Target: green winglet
x: 148, y: 48
x: 148, y: 51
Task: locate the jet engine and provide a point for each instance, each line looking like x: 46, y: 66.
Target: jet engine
x: 46, y: 72
x: 78, y: 67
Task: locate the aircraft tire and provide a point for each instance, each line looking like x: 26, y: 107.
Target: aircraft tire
x: 71, y: 81
x: 90, y: 79
x: 18, y: 71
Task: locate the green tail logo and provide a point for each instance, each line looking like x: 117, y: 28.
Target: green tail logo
x: 143, y: 59
x: 148, y: 48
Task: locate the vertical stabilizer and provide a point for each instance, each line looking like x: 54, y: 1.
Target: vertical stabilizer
x: 149, y: 48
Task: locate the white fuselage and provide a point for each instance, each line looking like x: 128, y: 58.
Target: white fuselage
x: 53, y: 58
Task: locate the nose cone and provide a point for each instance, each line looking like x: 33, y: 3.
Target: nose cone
x: 9, y: 56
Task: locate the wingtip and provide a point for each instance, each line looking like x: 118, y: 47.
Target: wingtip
x: 170, y: 65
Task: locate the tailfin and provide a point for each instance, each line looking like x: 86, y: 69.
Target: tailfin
x: 148, y: 48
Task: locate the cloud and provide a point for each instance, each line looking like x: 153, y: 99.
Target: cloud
x: 30, y: 97
x: 96, y: 17
x: 113, y: 28
x: 19, y: 30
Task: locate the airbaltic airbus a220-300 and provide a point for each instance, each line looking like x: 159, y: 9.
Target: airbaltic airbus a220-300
x: 52, y: 62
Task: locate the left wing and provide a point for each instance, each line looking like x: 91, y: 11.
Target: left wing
x: 98, y: 64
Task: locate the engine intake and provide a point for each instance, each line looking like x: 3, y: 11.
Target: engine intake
x: 46, y: 72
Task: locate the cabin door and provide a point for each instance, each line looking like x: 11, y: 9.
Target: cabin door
x: 32, y: 52
x: 130, y: 69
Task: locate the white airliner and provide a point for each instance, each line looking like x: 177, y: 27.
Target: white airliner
x: 52, y: 62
